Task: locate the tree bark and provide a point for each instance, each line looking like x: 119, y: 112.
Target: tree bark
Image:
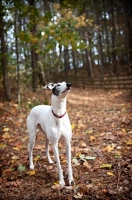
x: 66, y: 60
x: 74, y: 61
x: 113, y: 36
x: 4, y: 60
x: 17, y: 57
x: 33, y: 54
x: 107, y: 40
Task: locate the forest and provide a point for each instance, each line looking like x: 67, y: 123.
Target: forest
x: 40, y: 39
x: 85, y: 43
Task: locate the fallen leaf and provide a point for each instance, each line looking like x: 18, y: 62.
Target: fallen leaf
x: 123, y: 130
x: 69, y: 187
x: 6, y: 135
x: 54, y: 187
x: 30, y: 173
x: 75, y: 160
x: 5, y: 129
x: 110, y: 174
x: 21, y: 168
x: 92, y: 138
x: 7, y: 170
x: 89, y: 131
x: 3, y: 145
x: 129, y: 142
x: 109, y: 148
x: 82, y: 157
x: 56, y: 183
x: 64, y: 161
x: 106, y: 166
x: 37, y: 158
x: 72, y: 126
x: 78, y: 196
x: 86, y: 164
x: 83, y: 144
x: 90, y: 157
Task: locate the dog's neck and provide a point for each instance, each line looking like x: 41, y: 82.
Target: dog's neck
x: 58, y: 104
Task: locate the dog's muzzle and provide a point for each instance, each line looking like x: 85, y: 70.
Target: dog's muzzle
x: 68, y: 87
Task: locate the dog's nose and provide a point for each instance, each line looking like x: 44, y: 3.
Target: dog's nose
x: 69, y: 85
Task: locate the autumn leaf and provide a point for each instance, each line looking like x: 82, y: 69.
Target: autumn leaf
x: 37, y: 158
x: 106, y: 166
x: 64, y: 161
x: 14, y: 159
x: 110, y: 174
x: 56, y: 186
x: 56, y: 183
x: 109, y: 148
x: 8, y: 170
x: 86, y: 164
x: 78, y: 196
x: 89, y: 131
x: 3, y: 145
x: 129, y: 142
x: 6, y: 135
x: 83, y: 144
x: 31, y: 172
x: 92, y: 138
x: 5, y: 129
x: 72, y: 126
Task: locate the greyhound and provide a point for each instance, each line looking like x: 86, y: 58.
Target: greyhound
x: 54, y: 122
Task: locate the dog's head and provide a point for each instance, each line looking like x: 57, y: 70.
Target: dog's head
x: 59, y: 88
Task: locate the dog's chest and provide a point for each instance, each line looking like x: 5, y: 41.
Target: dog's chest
x: 56, y: 130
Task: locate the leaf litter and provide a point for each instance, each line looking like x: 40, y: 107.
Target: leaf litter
x: 101, y: 149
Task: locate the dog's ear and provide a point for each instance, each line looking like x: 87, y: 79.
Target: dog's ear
x: 50, y: 86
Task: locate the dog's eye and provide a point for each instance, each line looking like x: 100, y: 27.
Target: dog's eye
x: 58, y: 85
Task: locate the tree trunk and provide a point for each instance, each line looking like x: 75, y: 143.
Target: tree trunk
x: 33, y: 54
x: 88, y: 58
x: 89, y: 64
x: 99, y: 37
x: 74, y: 62
x: 66, y: 60
x: 4, y: 60
x: 17, y: 58
x: 113, y: 36
x: 107, y: 40
x: 128, y: 17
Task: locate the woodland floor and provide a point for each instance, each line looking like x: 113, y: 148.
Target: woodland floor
x: 101, y: 149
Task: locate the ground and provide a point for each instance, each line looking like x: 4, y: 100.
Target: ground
x: 101, y: 122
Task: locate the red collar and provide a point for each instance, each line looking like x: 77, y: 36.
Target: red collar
x: 57, y: 116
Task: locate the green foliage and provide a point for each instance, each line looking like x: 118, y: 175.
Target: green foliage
x: 46, y: 102
x: 21, y: 168
x: 34, y: 103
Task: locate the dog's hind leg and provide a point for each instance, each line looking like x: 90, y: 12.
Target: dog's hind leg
x: 60, y: 171
x: 68, y: 155
x: 47, y: 152
x: 32, y: 135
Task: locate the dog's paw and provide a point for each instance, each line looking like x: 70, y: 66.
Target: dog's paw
x: 70, y: 178
x: 62, y: 183
x: 51, y: 161
x: 31, y: 166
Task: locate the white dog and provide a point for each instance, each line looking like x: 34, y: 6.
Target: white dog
x: 54, y: 122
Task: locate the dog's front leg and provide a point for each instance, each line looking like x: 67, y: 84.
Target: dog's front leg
x: 60, y: 171
x: 47, y: 152
x: 68, y: 155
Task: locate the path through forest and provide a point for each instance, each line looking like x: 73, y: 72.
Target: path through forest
x: 101, y: 149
